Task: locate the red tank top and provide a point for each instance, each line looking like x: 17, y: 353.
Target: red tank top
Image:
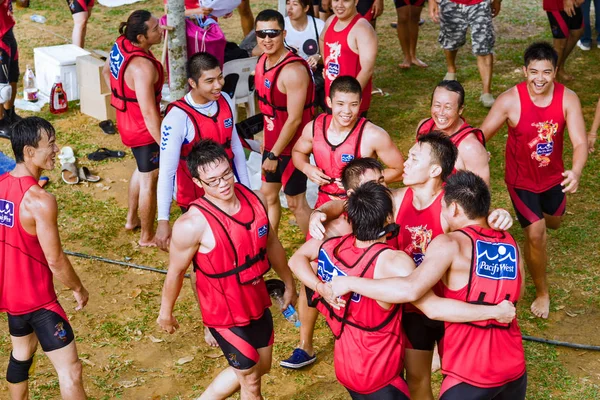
x: 461, y: 134
x: 230, y: 286
x: 340, y: 59
x: 367, y: 335
x: 417, y: 229
x: 219, y: 128
x: 486, y: 354
x: 130, y: 120
x: 534, y: 147
x: 26, y: 283
x: 273, y: 103
x: 333, y: 158
x: 6, y: 18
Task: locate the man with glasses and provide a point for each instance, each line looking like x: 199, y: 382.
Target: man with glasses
x: 278, y: 72
x: 227, y: 235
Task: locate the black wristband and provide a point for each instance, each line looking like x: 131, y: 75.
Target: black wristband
x: 271, y: 156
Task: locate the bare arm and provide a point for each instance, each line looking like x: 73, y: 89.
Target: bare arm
x: 144, y: 76
x: 475, y: 158
x: 594, y: 130
x: 388, y: 153
x: 106, y: 72
x: 498, y: 115
x: 320, y: 216
x: 301, y: 157
x: 442, y: 309
x: 576, y: 128
x: 366, y: 43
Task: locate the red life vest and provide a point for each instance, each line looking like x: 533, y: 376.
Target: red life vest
x: 219, y: 128
x: 367, y: 335
x: 333, y: 158
x: 486, y: 353
x: 534, y: 147
x: 461, y: 134
x: 340, y: 59
x: 230, y: 286
x: 26, y: 283
x: 273, y: 103
x: 130, y: 120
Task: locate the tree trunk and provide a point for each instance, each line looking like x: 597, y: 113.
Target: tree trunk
x: 177, y: 49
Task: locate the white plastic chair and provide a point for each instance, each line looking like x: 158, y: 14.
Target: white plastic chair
x: 243, y: 67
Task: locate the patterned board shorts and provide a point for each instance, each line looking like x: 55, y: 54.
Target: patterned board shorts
x: 455, y: 19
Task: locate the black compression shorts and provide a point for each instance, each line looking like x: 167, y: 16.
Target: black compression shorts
x: 531, y: 207
x: 421, y: 332
x: 9, y: 58
x: 292, y: 179
x: 146, y: 157
x: 514, y: 390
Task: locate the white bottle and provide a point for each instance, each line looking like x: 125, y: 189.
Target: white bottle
x: 30, y: 90
x: 290, y: 312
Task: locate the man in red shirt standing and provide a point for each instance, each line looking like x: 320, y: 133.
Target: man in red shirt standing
x: 349, y: 46
x: 136, y: 78
x: 9, y: 68
x: 537, y: 112
x: 30, y: 257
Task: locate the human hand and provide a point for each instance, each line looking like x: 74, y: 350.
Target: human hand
x: 500, y: 220
x: 569, y: 7
x: 377, y: 8
x: 168, y: 324
x: 592, y: 136
x: 313, y: 61
x: 269, y: 165
x: 326, y: 292
x: 506, y: 312
x: 316, y: 175
x: 163, y: 235
x: 81, y: 296
x: 434, y: 11
x: 290, y: 297
x: 496, y: 5
x: 315, y: 224
x: 340, y: 285
x: 571, y: 181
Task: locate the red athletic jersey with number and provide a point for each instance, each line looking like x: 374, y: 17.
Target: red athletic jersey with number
x: 333, y: 158
x: 273, y: 103
x: 534, y: 148
x: 130, y: 120
x: 6, y: 17
x: 368, y: 352
x: 230, y: 285
x: 25, y: 277
x: 218, y: 127
x: 487, y: 353
x: 341, y: 60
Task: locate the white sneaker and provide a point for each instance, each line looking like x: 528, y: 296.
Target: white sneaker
x: 584, y: 47
x: 487, y: 100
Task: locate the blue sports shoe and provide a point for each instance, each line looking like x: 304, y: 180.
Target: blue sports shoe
x: 299, y: 359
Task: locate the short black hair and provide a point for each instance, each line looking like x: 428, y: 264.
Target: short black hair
x: 452, y: 86
x: 28, y: 132
x: 470, y: 192
x: 345, y: 84
x: 356, y: 168
x: 270, y: 15
x: 368, y: 208
x: 200, y: 62
x: 204, y: 153
x: 540, y: 51
x: 135, y: 25
x: 443, y: 151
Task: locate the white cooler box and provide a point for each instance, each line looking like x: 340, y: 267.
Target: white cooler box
x: 54, y: 61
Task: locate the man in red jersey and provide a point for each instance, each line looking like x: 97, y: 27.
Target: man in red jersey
x: 478, y: 265
x: 30, y: 256
x: 447, y: 107
x: 368, y: 332
x: 349, y: 46
x: 136, y: 78
x: 227, y: 235
x: 286, y: 98
x: 537, y: 112
x: 9, y: 68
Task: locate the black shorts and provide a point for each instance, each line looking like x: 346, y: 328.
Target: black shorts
x: 514, y: 390
x: 50, y: 325
x: 561, y: 24
x: 364, y: 6
x: 531, y: 207
x: 402, y: 3
x: 77, y: 6
x: 292, y: 179
x: 146, y: 157
x: 240, y: 343
x: 389, y: 392
x: 421, y: 332
x: 9, y: 58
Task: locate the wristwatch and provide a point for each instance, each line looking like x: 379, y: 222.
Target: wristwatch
x: 271, y: 156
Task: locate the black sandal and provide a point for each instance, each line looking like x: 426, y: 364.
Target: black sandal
x: 104, y: 153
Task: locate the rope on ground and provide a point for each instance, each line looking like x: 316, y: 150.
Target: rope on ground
x: 564, y: 344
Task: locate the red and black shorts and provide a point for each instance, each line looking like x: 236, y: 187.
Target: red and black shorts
x: 240, y: 343
x: 9, y: 58
x: 395, y: 390
x: 402, y: 3
x: 513, y: 390
x: 292, y: 179
x: 421, y: 332
x: 531, y: 207
x: 561, y: 24
x: 77, y: 6
x: 146, y: 157
x: 50, y: 325
x: 364, y: 8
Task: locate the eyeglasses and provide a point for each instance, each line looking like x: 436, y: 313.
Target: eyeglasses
x: 215, y: 182
x: 271, y: 33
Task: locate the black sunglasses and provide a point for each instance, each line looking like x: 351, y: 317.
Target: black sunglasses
x: 271, y: 33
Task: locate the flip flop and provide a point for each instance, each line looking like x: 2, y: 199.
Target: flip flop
x: 107, y: 127
x: 103, y: 153
x: 69, y: 174
x: 86, y: 175
x: 66, y: 156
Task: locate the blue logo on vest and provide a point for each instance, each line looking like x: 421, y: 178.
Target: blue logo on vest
x: 262, y: 231
x: 267, y: 83
x: 228, y: 123
x: 346, y: 158
x: 544, y: 149
x: 7, y: 213
x: 496, y: 260
x: 333, y: 69
x: 327, y: 270
x: 116, y: 61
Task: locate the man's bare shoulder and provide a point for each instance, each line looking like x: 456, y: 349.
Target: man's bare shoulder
x: 471, y: 145
x: 362, y: 28
x: 398, y: 196
x: 37, y: 199
x: 142, y: 65
x: 509, y: 96
x: 395, y: 263
x: 293, y: 74
x: 373, y: 131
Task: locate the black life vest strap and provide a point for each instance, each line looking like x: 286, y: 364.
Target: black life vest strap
x: 248, y: 263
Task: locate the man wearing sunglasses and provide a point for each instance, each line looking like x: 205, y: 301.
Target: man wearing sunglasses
x: 227, y: 235
x: 280, y: 72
